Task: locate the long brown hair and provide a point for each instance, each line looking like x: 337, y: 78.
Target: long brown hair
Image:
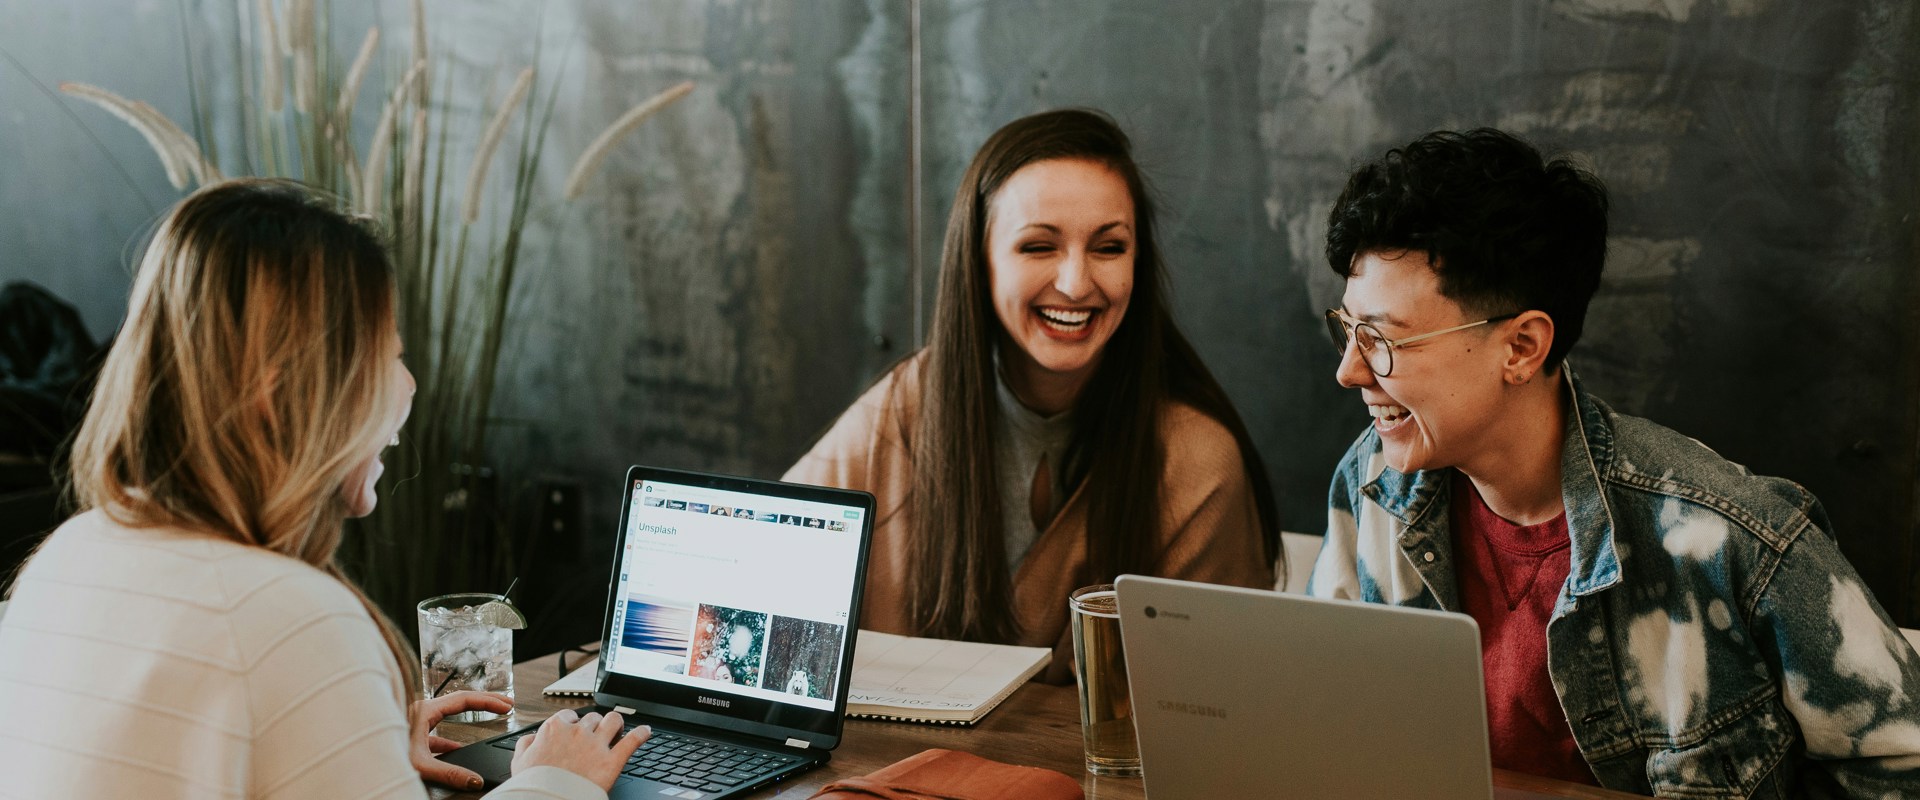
x: 961, y: 586
x: 249, y: 379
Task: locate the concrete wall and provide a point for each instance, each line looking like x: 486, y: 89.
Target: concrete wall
x: 748, y: 261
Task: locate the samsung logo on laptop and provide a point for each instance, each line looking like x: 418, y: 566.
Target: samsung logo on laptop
x: 714, y: 701
x: 1193, y: 709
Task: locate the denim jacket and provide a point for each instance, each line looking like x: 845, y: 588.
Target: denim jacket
x: 1710, y: 640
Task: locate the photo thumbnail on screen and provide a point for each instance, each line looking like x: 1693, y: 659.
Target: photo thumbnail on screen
x: 728, y: 644
x: 661, y: 627
x: 803, y: 657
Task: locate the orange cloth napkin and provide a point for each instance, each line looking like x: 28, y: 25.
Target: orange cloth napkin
x: 950, y: 775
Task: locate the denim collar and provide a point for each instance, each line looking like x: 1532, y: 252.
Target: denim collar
x: 1586, y: 456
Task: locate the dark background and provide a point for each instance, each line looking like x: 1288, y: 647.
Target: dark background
x: 753, y: 256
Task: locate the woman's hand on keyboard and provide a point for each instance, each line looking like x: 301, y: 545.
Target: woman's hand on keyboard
x: 589, y: 746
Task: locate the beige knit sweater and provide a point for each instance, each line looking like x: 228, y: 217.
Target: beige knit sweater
x: 1209, y: 528
x: 157, y: 663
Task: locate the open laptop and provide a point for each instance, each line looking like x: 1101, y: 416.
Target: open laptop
x: 730, y: 614
x: 1247, y: 693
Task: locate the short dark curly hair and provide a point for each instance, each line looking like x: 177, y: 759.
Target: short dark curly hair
x: 1505, y: 230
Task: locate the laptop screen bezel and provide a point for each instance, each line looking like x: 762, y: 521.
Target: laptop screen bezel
x: 818, y: 728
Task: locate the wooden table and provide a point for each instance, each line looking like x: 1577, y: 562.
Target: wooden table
x: 1039, y: 726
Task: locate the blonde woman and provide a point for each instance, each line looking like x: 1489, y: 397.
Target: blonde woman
x: 189, y: 633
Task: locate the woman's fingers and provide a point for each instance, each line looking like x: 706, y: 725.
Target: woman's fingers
x: 476, y: 701
x: 625, y: 745
x: 422, y: 744
x: 447, y: 774
x: 603, y: 727
x: 609, y: 726
x: 435, y: 709
x: 589, y: 745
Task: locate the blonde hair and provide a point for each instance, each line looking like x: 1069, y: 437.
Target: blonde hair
x: 249, y: 379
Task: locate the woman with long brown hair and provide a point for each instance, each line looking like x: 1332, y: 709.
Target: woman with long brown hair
x: 1057, y: 429
x: 189, y: 633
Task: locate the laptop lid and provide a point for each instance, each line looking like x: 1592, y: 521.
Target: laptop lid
x: 733, y: 602
x: 1247, y: 693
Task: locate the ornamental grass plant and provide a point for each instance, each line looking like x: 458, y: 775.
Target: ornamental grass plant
x: 456, y: 239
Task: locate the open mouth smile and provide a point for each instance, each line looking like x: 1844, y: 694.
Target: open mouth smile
x: 1066, y: 320
x: 1387, y: 416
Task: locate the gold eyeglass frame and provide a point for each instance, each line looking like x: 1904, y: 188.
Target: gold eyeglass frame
x: 1342, y: 328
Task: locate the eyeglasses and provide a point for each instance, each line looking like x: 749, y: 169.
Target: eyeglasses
x: 1377, y: 350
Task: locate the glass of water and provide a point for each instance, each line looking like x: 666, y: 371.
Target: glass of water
x: 464, y: 646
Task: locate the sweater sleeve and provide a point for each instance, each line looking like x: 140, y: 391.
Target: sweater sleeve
x: 1211, y: 524
x: 326, y: 720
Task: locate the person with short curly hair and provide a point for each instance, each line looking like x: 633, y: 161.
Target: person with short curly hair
x: 1653, y: 617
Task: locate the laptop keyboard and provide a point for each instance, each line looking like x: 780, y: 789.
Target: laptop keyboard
x: 690, y: 762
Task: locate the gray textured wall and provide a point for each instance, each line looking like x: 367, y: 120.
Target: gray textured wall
x: 746, y: 264
x: 1762, y: 156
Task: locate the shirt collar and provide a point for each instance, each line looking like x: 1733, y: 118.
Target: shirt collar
x: 1023, y: 421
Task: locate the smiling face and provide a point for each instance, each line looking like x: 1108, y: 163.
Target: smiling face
x: 1060, y: 253
x: 1443, y: 402
x: 359, y: 490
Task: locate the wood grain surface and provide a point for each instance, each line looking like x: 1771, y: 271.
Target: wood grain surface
x: 1039, y: 726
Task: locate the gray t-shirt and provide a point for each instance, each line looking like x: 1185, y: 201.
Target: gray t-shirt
x: 1021, y: 438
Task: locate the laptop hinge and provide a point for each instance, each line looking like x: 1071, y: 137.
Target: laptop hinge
x: 800, y: 743
x: 624, y: 710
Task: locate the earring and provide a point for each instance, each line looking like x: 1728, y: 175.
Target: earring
x: 395, y: 442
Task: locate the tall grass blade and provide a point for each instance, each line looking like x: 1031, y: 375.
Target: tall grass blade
x: 410, y: 177
x: 420, y: 50
x: 350, y: 88
x: 271, y: 84
x: 589, y: 162
x: 128, y: 111
x: 301, y: 41
x: 373, y: 178
x: 490, y: 141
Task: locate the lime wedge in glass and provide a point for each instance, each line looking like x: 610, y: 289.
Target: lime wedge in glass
x: 502, y: 614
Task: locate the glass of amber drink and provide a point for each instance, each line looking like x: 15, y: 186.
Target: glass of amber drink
x: 1100, y: 670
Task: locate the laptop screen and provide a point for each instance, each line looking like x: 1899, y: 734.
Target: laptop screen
x: 736, y: 598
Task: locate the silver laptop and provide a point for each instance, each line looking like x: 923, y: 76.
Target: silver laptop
x: 1247, y: 693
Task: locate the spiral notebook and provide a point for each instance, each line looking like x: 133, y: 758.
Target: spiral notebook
x: 936, y: 681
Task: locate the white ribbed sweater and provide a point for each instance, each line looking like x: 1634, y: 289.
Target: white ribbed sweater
x: 159, y: 663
